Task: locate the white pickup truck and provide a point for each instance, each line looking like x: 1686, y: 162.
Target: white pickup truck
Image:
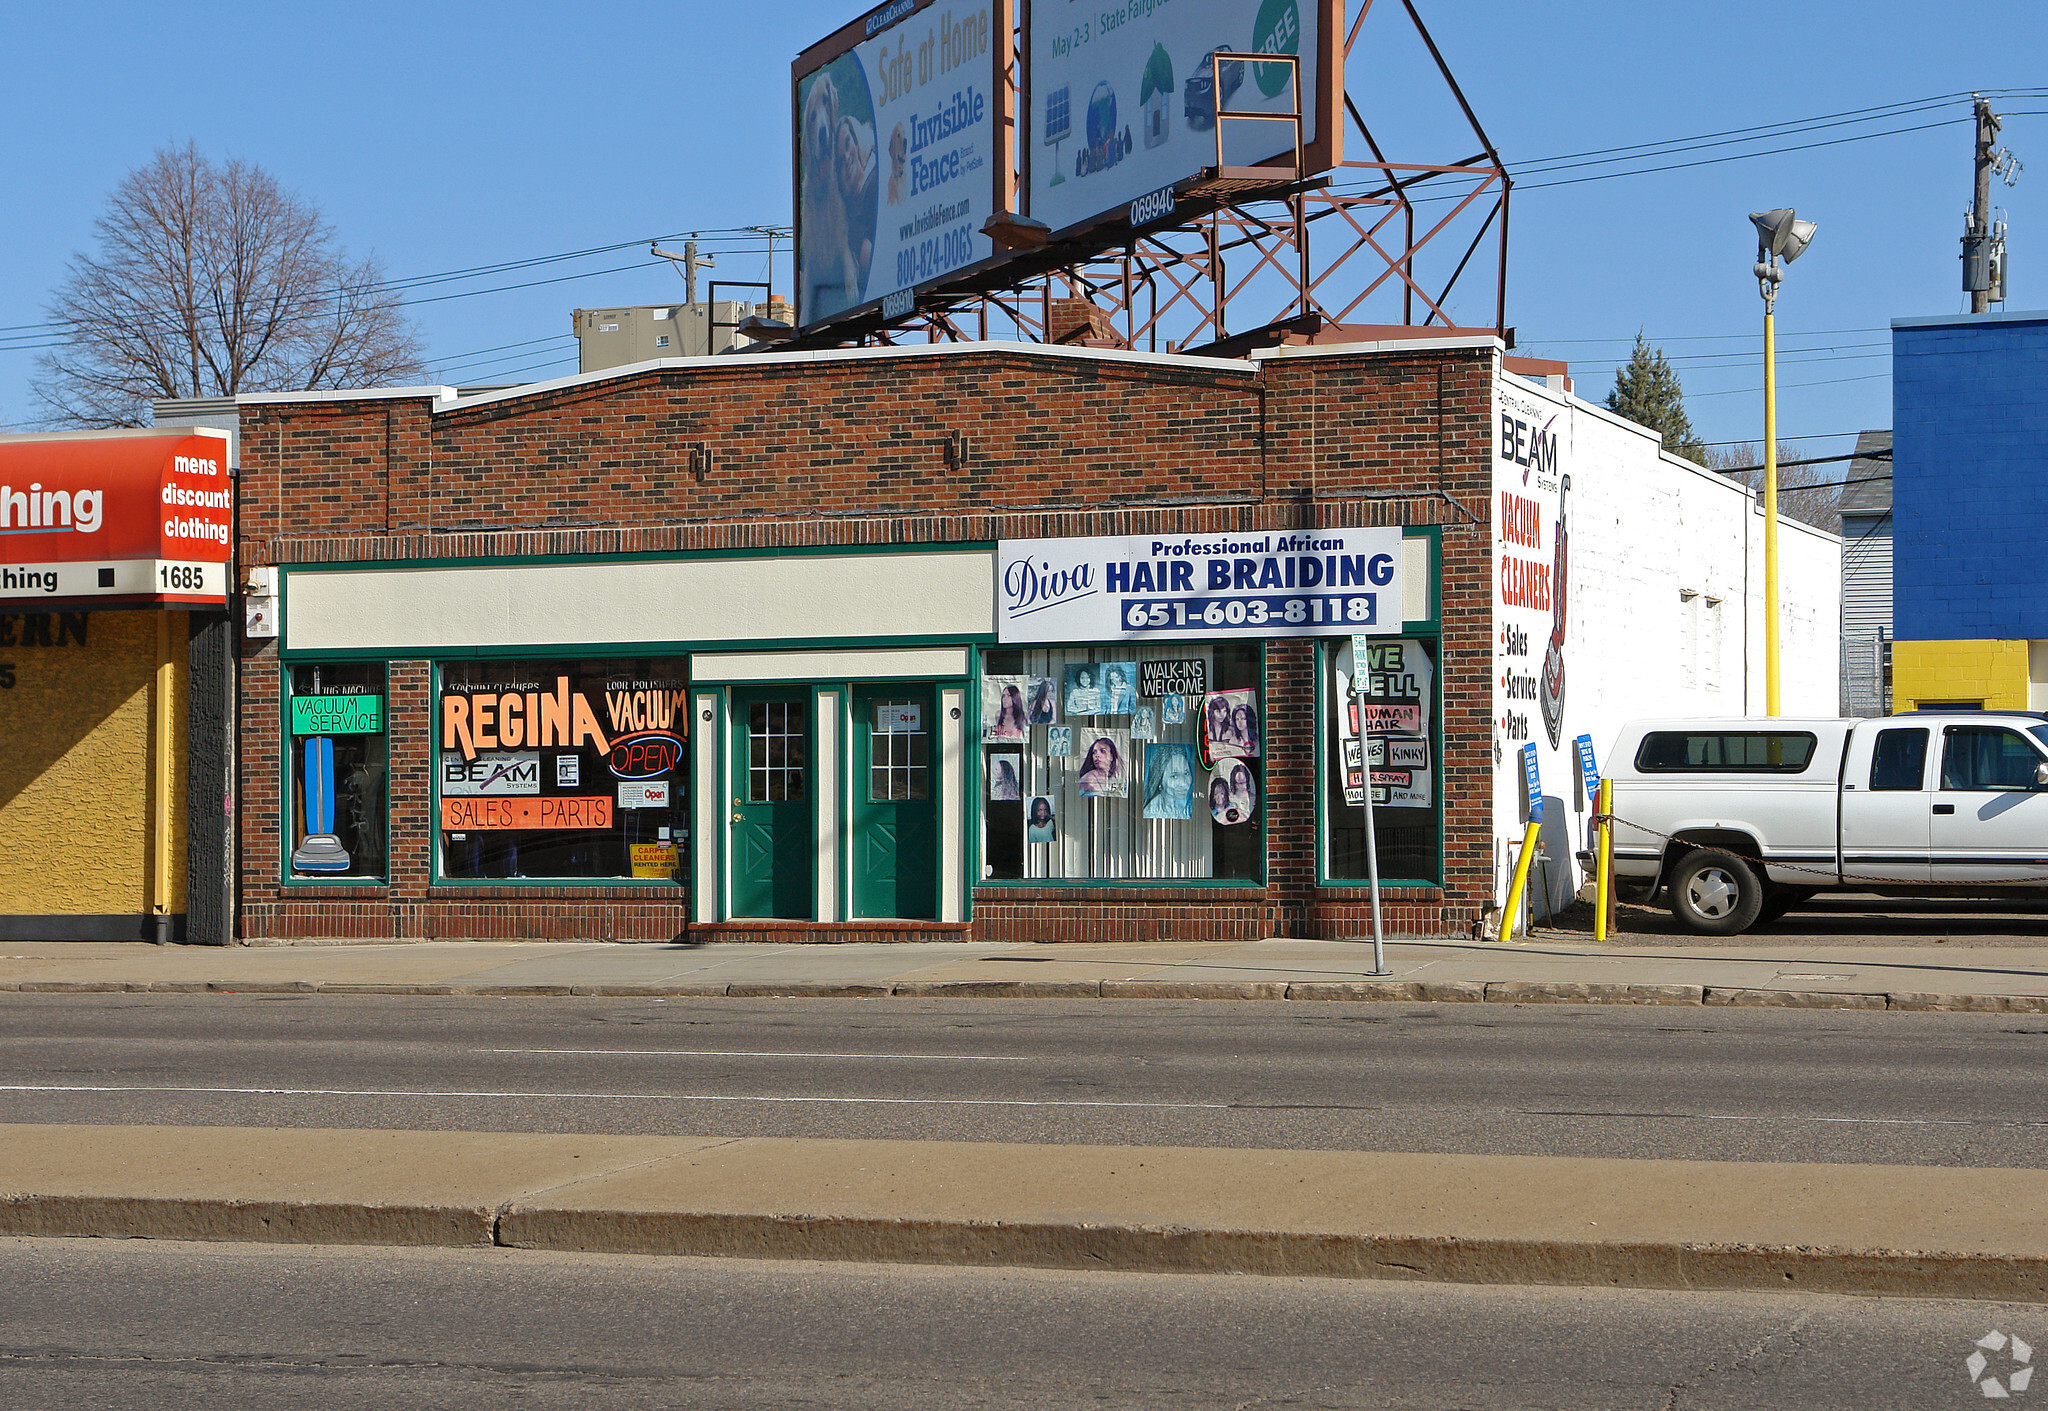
x: 1738, y: 821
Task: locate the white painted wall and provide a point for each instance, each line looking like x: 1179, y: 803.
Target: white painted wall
x: 1645, y: 531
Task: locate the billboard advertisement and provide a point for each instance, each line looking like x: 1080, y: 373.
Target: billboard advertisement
x: 898, y: 153
x: 116, y: 516
x: 1306, y: 583
x: 1120, y: 100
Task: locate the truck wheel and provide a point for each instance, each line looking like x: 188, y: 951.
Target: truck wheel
x: 1714, y: 893
x: 1782, y: 900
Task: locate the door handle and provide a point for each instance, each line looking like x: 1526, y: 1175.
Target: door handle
x: 736, y: 818
x: 1944, y: 808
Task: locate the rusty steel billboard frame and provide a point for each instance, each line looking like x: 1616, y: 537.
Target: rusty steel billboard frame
x: 1248, y: 257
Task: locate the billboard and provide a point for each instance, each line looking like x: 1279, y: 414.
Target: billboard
x: 898, y: 154
x: 1297, y: 583
x: 129, y: 517
x: 1120, y: 100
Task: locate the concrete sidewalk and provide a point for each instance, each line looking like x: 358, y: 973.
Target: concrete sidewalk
x: 1996, y: 979
x: 1922, y: 1231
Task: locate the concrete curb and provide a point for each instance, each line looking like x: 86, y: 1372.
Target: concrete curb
x: 1079, y: 1244
x: 1352, y: 991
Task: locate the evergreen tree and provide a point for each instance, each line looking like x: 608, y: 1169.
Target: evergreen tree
x: 1647, y: 393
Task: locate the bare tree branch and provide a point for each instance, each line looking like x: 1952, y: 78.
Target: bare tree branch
x: 211, y: 279
x: 1810, y: 494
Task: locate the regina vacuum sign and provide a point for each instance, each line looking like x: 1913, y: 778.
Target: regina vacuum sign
x: 1297, y: 583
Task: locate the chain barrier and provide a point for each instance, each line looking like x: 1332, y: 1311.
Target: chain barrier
x: 1835, y: 877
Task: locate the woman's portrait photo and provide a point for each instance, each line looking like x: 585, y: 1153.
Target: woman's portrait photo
x: 1039, y: 823
x: 1084, y: 691
x: 1142, y: 727
x: 1059, y: 742
x: 1230, y: 724
x: 1233, y: 795
x: 1105, y: 768
x: 1169, y: 781
x: 1119, y: 687
x: 1042, y: 701
x: 1005, y: 778
x: 1002, y: 709
x: 1173, y: 710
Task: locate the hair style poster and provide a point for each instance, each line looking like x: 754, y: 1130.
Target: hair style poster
x: 1233, y: 793
x: 1002, y: 709
x: 1142, y: 727
x: 1059, y: 742
x: 1105, y: 764
x: 1042, y: 700
x: 1173, y: 710
x: 1005, y: 778
x: 1119, y: 687
x: 1230, y: 725
x: 1169, y: 781
x: 1041, y: 824
x: 1082, y: 689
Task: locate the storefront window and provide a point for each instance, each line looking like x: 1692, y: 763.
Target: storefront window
x: 1392, y: 728
x: 562, y: 770
x: 1140, y: 764
x: 334, y: 773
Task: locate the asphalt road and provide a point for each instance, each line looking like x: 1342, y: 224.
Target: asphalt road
x: 1726, y: 1084
x: 87, y: 1324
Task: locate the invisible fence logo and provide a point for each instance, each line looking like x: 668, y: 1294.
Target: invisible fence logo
x: 2014, y: 1362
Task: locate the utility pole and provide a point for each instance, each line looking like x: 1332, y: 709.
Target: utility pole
x: 692, y: 261
x: 1984, y: 240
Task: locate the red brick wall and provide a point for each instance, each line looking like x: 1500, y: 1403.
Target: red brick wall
x: 855, y: 451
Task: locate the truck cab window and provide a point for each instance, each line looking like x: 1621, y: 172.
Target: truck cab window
x: 1986, y: 757
x: 1899, y: 760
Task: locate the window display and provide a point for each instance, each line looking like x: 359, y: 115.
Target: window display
x: 335, y: 771
x: 1114, y: 789
x: 1388, y: 731
x: 561, y: 769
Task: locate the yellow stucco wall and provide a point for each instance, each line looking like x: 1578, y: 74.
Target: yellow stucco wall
x: 1994, y: 672
x: 75, y: 757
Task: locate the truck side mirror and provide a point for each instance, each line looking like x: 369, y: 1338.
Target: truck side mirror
x: 2041, y: 776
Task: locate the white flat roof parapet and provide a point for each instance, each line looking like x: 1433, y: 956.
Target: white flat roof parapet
x: 161, y: 432
x: 1939, y: 320
x: 740, y: 362
x: 1387, y: 345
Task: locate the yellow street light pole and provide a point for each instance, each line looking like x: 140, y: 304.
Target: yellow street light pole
x: 1770, y: 514
x: 1780, y: 234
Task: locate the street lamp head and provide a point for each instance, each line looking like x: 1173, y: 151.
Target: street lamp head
x: 1781, y: 234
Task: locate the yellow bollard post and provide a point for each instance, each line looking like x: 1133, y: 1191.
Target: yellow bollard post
x: 1514, y: 906
x: 1604, y: 864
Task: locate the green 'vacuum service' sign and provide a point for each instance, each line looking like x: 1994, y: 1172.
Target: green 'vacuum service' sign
x: 337, y: 715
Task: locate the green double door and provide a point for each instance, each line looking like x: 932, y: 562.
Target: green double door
x: 893, y: 819
x: 892, y: 833
x: 772, y: 805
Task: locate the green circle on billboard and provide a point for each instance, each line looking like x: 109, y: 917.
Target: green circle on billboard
x: 1277, y: 31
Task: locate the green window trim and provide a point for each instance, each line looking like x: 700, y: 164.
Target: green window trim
x: 288, y: 785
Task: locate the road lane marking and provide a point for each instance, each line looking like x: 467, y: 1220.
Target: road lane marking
x: 751, y: 1053
x: 634, y: 1097
x: 1768, y: 1117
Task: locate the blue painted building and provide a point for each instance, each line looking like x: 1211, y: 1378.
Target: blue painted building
x: 1970, y: 510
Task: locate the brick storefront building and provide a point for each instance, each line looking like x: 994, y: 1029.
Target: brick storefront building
x: 710, y: 647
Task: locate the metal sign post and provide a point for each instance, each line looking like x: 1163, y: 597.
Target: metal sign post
x: 1361, y: 672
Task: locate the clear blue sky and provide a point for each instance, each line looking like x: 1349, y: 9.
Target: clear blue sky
x: 451, y: 136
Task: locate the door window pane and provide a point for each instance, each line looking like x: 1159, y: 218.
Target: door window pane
x: 898, y: 752
x: 1899, y: 761
x: 776, y: 756
x: 1986, y: 757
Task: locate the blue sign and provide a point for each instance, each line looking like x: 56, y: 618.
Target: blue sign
x: 1589, y: 775
x: 1532, y: 783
